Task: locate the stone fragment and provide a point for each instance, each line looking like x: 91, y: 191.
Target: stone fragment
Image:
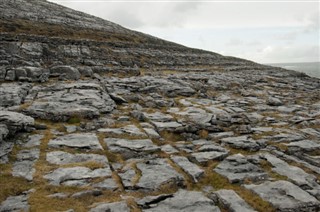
x: 158, y: 117
x: 61, y: 158
x: 16, y: 121
x: 272, y: 101
x: 156, y: 173
x: 111, y: 207
x: 204, y: 157
x: 169, y: 126
x: 285, y: 196
x: 232, y: 201
x: 237, y: 168
x: 129, y: 130
x: 304, y: 146
x: 107, y: 184
x: 131, y: 148
x: 33, y: 141
x: 151, y: 133
x: 79, y: 140
x: 24, y: 166
x: 75, y: 176
x: 241, y: 142
x: 191, y: 169
x: 15, y: 204
x: 67, y: 72
x: 168, y: 149
x: 186, y: 201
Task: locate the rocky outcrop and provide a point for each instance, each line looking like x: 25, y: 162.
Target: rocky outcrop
x: 101, y: 118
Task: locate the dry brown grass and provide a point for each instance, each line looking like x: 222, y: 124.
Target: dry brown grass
x: 203, y: 134
x: 11, y: 186
x: 171, y: 136
x: 19, y: 26
x: 39, y: 201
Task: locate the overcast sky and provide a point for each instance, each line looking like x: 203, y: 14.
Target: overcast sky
x: 265, y: 31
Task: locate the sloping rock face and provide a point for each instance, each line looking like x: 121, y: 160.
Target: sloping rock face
x: 96, y: 117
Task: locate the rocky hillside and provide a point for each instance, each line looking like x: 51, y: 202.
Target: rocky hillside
x: 96, y: 117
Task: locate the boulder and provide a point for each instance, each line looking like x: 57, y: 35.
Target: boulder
x: 66, y: 72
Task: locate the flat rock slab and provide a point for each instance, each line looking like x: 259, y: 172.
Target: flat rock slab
x: 61, y: 101
x: 304, y: 145
x: 129, y: 130
x: 61, y: 158
x: 190, y: 168
x: 24, y: 166
x: 168, y: 149
x: 28, y: 154
x: 158, y: 117
x: 131, y: 148
x: 285, y: 196
x: 186, y: 201
x: 79, y: 140
x: 297, y: 175
x: 151, y: 133
x: 204, y: 157
x: 76, y: 175
x: 196, y: 115
x: 208, y: 152
x: 111, y: 207
x: 169, y: 126
x: 15, y: 204
x: 24, y: 169
x: 107, y: 184
x: 241, y: 142
x: 237, y: 168
x: 33, y: 141
x: 232, y: 201
x: 157, y: 172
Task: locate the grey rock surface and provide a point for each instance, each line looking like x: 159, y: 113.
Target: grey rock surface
x: 131, y: 148
x: 79, y: 140
x: 241, y: 142
x: 112, y: 207
x: 107, y: 109
x: 232, y: 201
x: 191, y: 169
x: 24, y: 166
x: 237, y: 168
x: 75, y: 175
x: 16, y: 122
x: 187, y: 201
x: 61, y: 158
x: 285, y: 196
x: 15, y: 204
x: 157, y: 172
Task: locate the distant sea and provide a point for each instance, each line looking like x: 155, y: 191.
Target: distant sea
x: 311, y: 68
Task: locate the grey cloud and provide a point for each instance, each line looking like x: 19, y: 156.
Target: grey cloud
x: 184, y: 7
x: 127, y: 19
x: 234, y: 42
x: 290, y: 36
